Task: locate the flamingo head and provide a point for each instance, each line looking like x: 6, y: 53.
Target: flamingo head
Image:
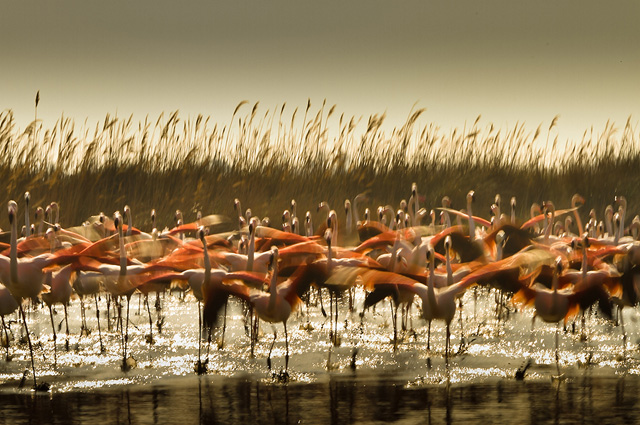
x: 447, y: 243
x: 414, y: 189
x: 430, y: 254
x: 13, y: 210
x: 117, y: 220
x: 558, y: 265
x: 27, y: 198
x: 328, y: 235
x: 273, y: 258
x: 404, y: 206
x: 471, y: 196
x: 202, y: 232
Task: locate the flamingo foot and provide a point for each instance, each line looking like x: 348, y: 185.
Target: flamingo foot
x: 201, y: 367
x: 128, y: 364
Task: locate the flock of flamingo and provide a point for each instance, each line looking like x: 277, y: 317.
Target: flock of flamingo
x: 551, y: 263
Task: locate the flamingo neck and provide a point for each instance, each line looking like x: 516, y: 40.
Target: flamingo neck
x: 129, y: 223
x: 273, y: 286
x: 472, y: 224
x: 27, y: 230
x: 252, y: 249
x: 123, y: 253
x: 13, y: 253
x: 329, y: 257
x: 431, y: 295
x: 207, y: 263
x: 449, y: 269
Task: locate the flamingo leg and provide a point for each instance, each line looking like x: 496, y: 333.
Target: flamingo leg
x: 286, y: 343
x: 146, y: 302
x: 108, y: 313
x: 6, y: 335
x: 557, y: 353
x: 394, y: 318
x: 125, y: 367
x: 26, y: 328
x: 224, y: 325
x: 199, y: 332
x: 66, y: 323
x: 446, y: 346
x: 55, y: 349
x: 98, y: 317
x: 275, y: 335
x: 83, y: 324
x: 461, y: 325
x: 624, y: 334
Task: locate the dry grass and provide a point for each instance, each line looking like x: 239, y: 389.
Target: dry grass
x: 265, y: 158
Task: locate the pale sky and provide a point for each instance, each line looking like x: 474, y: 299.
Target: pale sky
x: 507, y: 60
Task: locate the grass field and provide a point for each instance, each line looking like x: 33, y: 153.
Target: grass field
x: 267, y: 157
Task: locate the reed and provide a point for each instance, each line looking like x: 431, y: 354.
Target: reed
x: 266, y: 159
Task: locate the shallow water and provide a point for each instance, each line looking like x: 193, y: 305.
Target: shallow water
x: 335, y: 399
x: 362, y: 380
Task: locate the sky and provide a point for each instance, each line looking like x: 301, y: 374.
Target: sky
x: 507, y: 60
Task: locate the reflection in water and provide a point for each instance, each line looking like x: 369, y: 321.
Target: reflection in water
x: 343, y: 399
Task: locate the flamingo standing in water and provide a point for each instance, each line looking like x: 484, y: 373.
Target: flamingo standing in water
x: 8, y: 305
x: 23, y: 277
x: 59, y: 293
x: 119, y: 282
x: 274, y: 306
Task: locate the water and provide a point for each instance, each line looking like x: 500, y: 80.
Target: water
x: 335, y: 399
x: 362, y: 380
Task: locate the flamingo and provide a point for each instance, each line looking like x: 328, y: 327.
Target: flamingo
x: 89, y: 283
x: 203, y: 281
x: 59, y: 293
x: 119, y: 282
x: 274, y: 306
x: 555, y: 304
x: 27, y: 227
x: 8, y: 305
x: 23, y: 277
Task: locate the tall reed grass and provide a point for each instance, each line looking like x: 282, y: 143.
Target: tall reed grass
x: 267, y: 157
